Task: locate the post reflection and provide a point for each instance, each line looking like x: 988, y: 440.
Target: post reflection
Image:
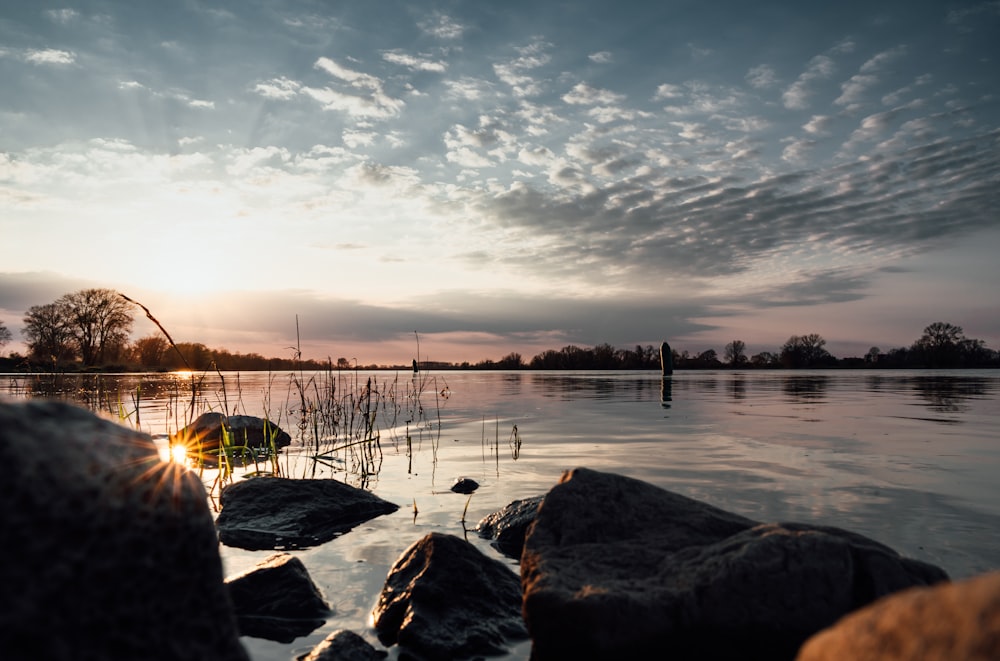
x: 666, y: 392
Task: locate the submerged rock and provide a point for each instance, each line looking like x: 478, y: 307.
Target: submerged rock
x: 508, y: 526
x: 343, y: 646
x: 277, y: 600
x: 109, y: 553
x: 950, y: 621
x: 444, y: 599
x: 276, y: 512
x: 614, y: 568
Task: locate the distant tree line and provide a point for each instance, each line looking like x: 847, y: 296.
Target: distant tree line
x: 90, y: 329
x: 942, y: 345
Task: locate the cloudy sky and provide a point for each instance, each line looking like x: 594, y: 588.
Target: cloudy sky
x: 506, y: 176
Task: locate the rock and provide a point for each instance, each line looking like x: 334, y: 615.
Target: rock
x: 343, y: 646
x: 617, y: 568
x: 464, y: 485
x: 108, y: 552
x: 508, y: 526
x: 277, y: 600
x: 949, y: 621
x: 445, y: 599
x: 277, y: 512
x: 203, y: 436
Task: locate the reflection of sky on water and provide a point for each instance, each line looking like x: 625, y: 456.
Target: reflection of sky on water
x: 908, y: 458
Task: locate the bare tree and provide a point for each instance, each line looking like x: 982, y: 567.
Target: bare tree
x: 735, y: 352
x: 100, y: 321
x: 47, y: 333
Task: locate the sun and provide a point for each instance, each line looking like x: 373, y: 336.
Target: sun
x: 178, y: 453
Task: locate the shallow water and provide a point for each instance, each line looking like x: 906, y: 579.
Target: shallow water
x: 908, y: 458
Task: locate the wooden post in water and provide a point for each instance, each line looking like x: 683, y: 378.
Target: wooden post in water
x: 666, y: 359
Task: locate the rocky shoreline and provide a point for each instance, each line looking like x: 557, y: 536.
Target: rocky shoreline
x: 610, y: 567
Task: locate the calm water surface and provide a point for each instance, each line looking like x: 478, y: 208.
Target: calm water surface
x: 908, y: 458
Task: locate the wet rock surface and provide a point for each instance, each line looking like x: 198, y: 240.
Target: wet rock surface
x: 508, y: 526
x: 277, y: 600
x: 110, y: 553
x: 444, y: 599
x: 958, y: 620
x: 281, y: 513
x: 615, y: 567
x: 344, y: 646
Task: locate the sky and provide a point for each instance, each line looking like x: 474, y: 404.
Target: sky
x: 487, y: 177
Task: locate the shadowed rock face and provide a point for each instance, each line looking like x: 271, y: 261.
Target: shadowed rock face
x: 615, y: 567
x: 444, y: 599
x: 274, y: 512
x: 108, y: 552
x: 343, y: 646
x: 277, y: 600
x: 941, y: 623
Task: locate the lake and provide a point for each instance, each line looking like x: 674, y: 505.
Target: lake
x: 909, y: 458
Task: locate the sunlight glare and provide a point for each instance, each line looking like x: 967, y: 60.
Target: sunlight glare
x: 178, y: 453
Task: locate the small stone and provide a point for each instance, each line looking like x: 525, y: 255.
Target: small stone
x: 464, y: 485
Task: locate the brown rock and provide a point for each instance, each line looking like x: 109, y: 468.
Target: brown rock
x: 613, y: 568
x: 947, y: 622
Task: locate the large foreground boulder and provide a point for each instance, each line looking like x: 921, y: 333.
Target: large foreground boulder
x: 277, y: 600
x: 942, y: 623
x: 617, y: 568
x: 108, y: 552
x: 443, y: 599
x: 283, y: 513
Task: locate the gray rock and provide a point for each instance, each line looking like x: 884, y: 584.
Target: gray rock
x: 614, y: 568
x: 206, y: 432
x: 277, y: 600
x: 507, y: 527
x: 282, y: 513
x: 444, y: 599
x: 343, y: 646
x: 949, y: 621
x: 108, y: 552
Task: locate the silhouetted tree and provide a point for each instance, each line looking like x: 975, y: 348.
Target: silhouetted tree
x: 47, y: 333
x: 149, y: 351
x: 100, y: 321
x: 805, y: 351
x: 765, y: 359
x: 735, y: 353
x: 873, y: 355
x: 708, y: 358
x: 511, y: 361
x: 941, y: 345
x: 5, y: 335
